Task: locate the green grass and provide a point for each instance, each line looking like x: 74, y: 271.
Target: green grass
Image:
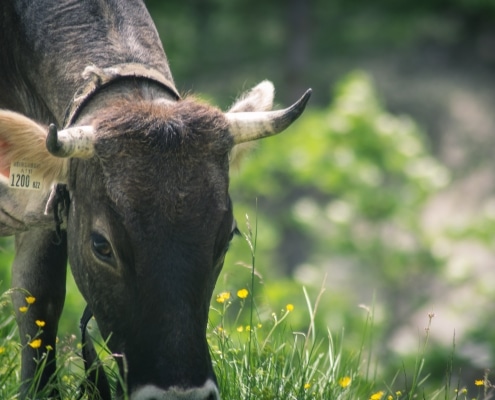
x: 258, y: 355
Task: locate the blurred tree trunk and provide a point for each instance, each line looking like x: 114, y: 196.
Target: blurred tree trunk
x: 298, y: 50
x: 203, y: 10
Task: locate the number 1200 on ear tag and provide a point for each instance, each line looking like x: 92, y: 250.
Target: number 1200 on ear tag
x: 25, y: 175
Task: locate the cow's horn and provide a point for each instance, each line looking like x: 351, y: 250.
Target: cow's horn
x: 247, y: 126
x: 74, y: 142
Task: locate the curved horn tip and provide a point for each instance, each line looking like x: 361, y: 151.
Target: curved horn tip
x: 292, y: 113
x: 74, y: 142
x: 52, y: 144
x: 305, y: 98
x: 248, y: 126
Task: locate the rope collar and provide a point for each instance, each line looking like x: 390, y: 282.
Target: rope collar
x: 99, y: 78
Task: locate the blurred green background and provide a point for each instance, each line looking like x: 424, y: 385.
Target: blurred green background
x: 384, y: 189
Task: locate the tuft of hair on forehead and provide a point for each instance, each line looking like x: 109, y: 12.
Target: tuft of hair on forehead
x: 174, y: 124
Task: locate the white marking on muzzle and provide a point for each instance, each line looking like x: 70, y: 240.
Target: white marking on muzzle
x: 208, y: 391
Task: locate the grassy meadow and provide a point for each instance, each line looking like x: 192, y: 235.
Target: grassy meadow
x: 258, y: 355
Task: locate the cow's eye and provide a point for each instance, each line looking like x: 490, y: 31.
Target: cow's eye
x: 234, y: 232
x: 101, y: 247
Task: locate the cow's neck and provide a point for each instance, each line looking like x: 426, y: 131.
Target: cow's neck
x: 103, y: 86
x: 53, y: 41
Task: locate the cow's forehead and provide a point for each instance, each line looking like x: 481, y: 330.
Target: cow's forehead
x: 172, y: 126
x: 155, y: 181
x: 147, y: 185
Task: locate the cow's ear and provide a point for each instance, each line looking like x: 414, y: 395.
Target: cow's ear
x: 259, y: 98
x: 23, y: 140
x: 27, y: 174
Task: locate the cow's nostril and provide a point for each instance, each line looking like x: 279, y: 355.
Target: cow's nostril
x: 208, y: 391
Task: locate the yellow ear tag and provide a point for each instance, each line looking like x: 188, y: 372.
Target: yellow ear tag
x: 25, y: 175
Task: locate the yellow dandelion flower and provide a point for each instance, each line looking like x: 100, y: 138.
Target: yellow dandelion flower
x: 307, y: 386
x: 377, y: 395
x: 23, y: 309
x: 243, y: 293
x: 2, y: 349
x: 289, y: 307
x: 35, y: 344
x: 479, y: 382
x: 40, y: 323
x: 30, y: 299
x: 240, y: 328
x: 223, y: 297
x: 345, y: 381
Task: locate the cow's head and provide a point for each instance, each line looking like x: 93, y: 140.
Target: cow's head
x: 149, y: 223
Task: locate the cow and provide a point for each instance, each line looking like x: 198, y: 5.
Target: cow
x: 105, y: 165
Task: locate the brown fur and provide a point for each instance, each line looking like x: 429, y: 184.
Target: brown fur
x: 186, y: 143
x: 185, y: 123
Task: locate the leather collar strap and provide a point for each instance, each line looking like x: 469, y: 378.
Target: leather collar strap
x: 98, y: 78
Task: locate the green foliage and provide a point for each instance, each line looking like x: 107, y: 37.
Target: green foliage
x: 9, y: 349
x: 371, y: 165
x: 340, y: 195
x: 6, y: 258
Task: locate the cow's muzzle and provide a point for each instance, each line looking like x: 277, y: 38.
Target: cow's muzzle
x: 208, y: 391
